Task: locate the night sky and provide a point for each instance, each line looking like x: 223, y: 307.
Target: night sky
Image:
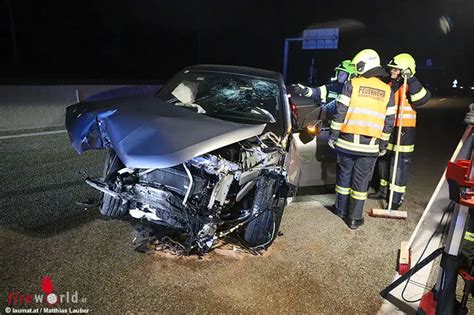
x: 151, y: 40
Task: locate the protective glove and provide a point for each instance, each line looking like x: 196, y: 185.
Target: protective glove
x: 302, y: 90
x: 332, y: 144
x: 469, y: 119
x: 406, y: 73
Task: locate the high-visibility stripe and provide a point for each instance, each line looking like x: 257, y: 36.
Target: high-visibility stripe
x: 366, y: 148
x: 332, y: 95
x: 335, y: 125
x: 418, y: 96
x: 344, y: 99
x: 363, y: 123
x: 398, y: 189
x: 324, y: 92
x: 343, y: 190
x: 383, y: 183
x: 402, y: 148
x: 385, y: 136
x: 358, y: 195
x: 468, y: 236
x: 356, y: 139
x: 392, y: 110
x: 469, y: 233
x: 365, y: 111
x: 408, y: 116
x: 409, y: 120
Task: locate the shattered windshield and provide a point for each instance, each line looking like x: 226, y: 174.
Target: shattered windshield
x: 225, y: 95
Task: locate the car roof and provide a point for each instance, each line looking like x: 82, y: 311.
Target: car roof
x: 267, y: 74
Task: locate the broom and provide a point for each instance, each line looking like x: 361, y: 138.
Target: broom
x: 389, y: 213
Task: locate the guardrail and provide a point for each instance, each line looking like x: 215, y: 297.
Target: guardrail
x: 31, y: 107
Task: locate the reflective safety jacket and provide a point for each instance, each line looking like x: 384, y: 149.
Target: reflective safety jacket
x: 364, y: 118
x: 366, y: 107
x: 416, y: 96
x: 408, y: 119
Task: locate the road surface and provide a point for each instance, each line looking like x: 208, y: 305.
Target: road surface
x: 318, y: 265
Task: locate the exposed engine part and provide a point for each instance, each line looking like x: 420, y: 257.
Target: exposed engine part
x: 206, y: 198
x: 150, y: 215
x: 208, y: 229
x: 126, y: 170
x: 271, y: 136
x: 103, y: 187
x: 175, y: 179
x: 256, y: 157
x: 190, y: 185
x: 247, y: 176
x: 220, y: 191
x: 146, y: 171
x: 211, y: 164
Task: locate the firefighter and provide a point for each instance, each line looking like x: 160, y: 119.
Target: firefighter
x: 417, y: 95
x: 327, y: 93
x: 363, y: 121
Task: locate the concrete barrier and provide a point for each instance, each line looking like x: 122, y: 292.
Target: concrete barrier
x: 31, y: 107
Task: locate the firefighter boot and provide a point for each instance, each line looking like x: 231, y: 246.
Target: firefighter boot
x: 354, y: 224
x: 334, y: 210
x: 379, y: 194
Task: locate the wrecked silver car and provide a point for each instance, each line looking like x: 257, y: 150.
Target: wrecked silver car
x: 207, y: 156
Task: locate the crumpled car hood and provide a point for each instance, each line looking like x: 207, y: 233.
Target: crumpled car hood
x: 146, y: 132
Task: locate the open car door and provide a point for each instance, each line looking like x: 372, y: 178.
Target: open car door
x: 311, y: 161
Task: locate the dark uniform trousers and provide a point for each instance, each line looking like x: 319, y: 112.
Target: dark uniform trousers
x: 353, y: 175
x: 385, y: 169
x: 386, y: 164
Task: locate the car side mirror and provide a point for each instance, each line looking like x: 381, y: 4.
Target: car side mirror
x: 310, y: 131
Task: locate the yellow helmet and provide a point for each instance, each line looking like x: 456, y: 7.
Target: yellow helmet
x: 403, y: 62
x: 365, y: 60
x: 346, y: 66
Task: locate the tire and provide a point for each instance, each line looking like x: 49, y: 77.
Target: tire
x: 110, y: 206
x: 262, y: 231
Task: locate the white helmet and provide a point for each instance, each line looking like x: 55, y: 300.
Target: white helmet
x: 365, y: 60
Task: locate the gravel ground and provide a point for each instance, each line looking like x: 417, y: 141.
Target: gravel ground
x: 317, y: 266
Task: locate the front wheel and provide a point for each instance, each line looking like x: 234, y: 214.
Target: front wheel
x: 262, y: 231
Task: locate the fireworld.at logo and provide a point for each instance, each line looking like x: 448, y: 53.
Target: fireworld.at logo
x: 49, y: 296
